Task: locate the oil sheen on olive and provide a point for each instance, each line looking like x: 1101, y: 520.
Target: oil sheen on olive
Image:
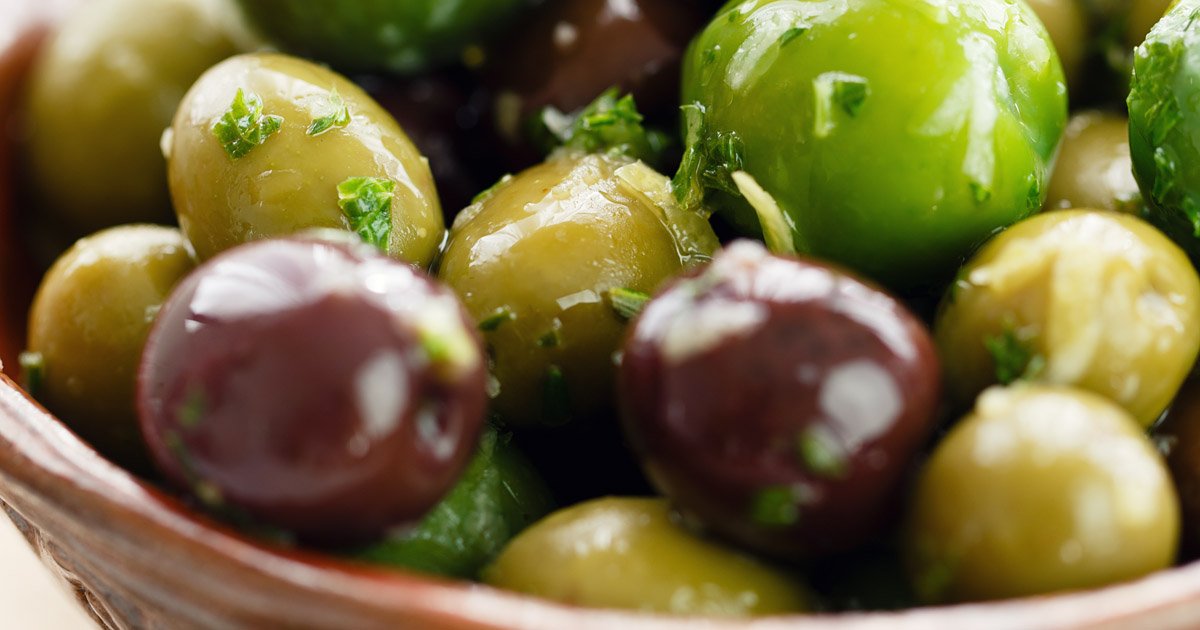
x: 779, y: 401
x: 1094, y: 169
x: 314, y: 386
x: 286, y: 178
x: 1040, y: 489
x: 87, y: 327
x: 102, y: 91
x: 534, y: 261
x: 572, y: 50
x: 1093, y: 299
x: 633, y: 554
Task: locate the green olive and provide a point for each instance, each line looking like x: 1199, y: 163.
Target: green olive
x: 498, y: 495
x: 1040, y: 489
x: 102, y: 92
x: 1066, y: 22
x: 1093, y: 168
x: 267, y: 145
x: 1143, y: 14
x: 535, y: 261
x: 1094, y: 299
x: 88, y: 324
x: 631, y: 553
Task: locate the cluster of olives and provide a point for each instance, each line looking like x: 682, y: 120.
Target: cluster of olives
x: 789, y: 305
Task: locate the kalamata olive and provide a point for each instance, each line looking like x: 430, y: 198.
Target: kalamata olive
x: 777, y: 400
x: 1093, y: 168
x: 315, y: 386
x: 269, y: 145
x: 634, y: 554
x: 1179, y: 435
x: 88, y: 324
x: 573, y: 50
x: 1040, y: 489
x: 1097, y: 300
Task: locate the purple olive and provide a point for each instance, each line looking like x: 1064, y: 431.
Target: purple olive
x: 779, y: 402
x: 313, y: 385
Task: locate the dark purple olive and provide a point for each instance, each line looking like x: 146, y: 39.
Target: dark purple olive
x: 573, y: 50
x: 1179, y: 437
x: 315, y: 386
x: 777, y: 401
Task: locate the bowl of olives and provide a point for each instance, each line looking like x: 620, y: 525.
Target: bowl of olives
x: 604, y: 313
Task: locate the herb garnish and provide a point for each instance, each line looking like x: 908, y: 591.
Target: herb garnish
x: 367, y: 203
x: 244, y: 126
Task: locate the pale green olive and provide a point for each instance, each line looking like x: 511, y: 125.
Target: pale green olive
x: 1093, y: 168
x: 631, y: 553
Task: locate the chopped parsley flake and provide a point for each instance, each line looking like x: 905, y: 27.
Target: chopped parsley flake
x: 498, y: 318
x: 833, y: 91
x: 776, y: 506
x: 551, y: 338
x: 338, y: 116
x: 556, y: 400
x: 791, y: 34
x: 1013, y: 357
x: 709, y: 161
x: 33, y: 372
x: 627, y: 302
x: 367, y: 203
x: 820, y: 453
x: 244, y: 126
x: 610, y: 124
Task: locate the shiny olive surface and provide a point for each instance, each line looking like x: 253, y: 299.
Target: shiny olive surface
x: 102, y: 92
x: 633, y: 554
x: 1040, y: 489
x: 779, y: 401
x: 895, y: 135
x: 534, y: 261
x: 405, y: 36
x: 1094, y: 169
x: 1097, y: 300
x: 1066, y: 23
x: 315, y: 386
x: 87, y: 326
x: 276, y: 183
x: 498, y: 496
x: 580, y: 48
x: 1164, y: 119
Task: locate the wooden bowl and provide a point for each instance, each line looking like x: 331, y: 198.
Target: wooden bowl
x: 138, y: 558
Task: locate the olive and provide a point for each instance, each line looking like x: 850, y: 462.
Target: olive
x: 633, y: 554
x: 313, y: 386
x: 87, y: 326
x: 1093, y: 168
x: 404, y: 36
x: 1092, y: 299
x: 1179, y: 433
x: 779, y: 401
x: 268, y: 145
x: 564, y: 57
x: 895, y: 135
x: 1163, y: 119
x: 1066, y: 23
x: 1040, y: 489
x: 101, y: 93
x: 498, y: 496
x: 1142, y: 16
x: 537, y: 261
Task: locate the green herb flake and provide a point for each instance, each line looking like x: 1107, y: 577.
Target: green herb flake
x: 33, y: 372
x: 627, y: 302
x: 610, y: 124
x: 338, y: 116
x: 244, y: 126
x: 498, y: 318
x: 776, y: 506
x: 833, y: 91
x: 820, y: 453
x: 709, y: 161
x: 1013, y: 357
x: 551, y: 338
x: 980, y: 192
x: 367, y: 203
x: 556, y: 400
x: 193, y: 409
x: 791, y: 34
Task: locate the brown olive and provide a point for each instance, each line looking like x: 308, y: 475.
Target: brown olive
x: 1094, y: 169
x: 778, y: 401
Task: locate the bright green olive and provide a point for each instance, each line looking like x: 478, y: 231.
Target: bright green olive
x: 1092, y: 299
x: 267, y: 145
x: 1040, y: 489
x: 1093, y: 168
x: 536, y: 261
x: 395, y: 35
x: 87, y: 327
x: 499, y: 495
x: 1164, y: 119
x: 631, y: 553
x: 103, y: 89
x: 895, y: 135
